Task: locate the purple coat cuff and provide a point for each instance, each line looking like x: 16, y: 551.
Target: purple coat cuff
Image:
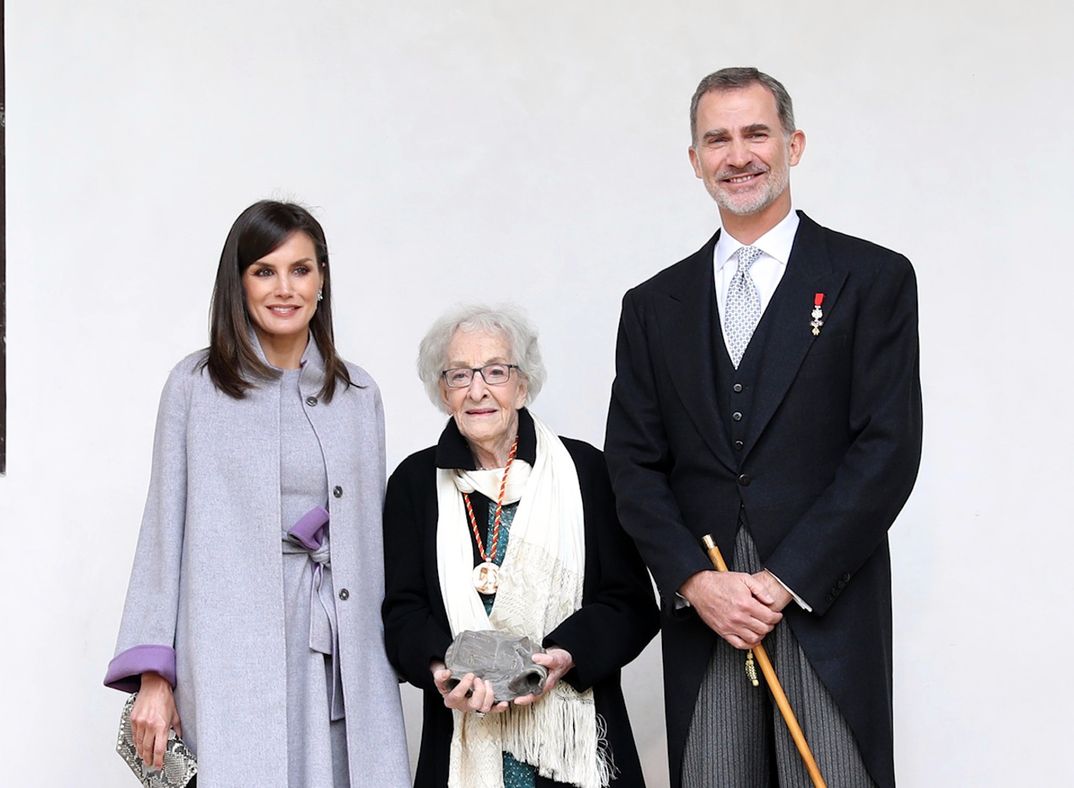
x: 125, y: 671
x: 308, y: 528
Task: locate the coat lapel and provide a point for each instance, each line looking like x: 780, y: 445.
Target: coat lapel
x: 809, y: 272
x: 687, y: 316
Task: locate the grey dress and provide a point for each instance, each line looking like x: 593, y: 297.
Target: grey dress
x: 316, y: 725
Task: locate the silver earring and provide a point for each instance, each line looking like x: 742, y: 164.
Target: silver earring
x: 320, y: 295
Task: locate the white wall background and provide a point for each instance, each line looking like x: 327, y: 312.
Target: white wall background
x: 536, y: 152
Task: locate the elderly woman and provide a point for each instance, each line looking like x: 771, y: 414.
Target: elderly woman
x: 503, y: 525
x: 252, y: 623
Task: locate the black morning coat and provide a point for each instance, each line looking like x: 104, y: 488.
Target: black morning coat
x: 820, y: 457
x: 617, y: 619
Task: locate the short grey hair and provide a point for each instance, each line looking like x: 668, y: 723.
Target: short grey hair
x: 507, y: 321
x: 737, y: 78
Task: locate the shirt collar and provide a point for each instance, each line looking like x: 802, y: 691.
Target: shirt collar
x: 452, y: 450
x: 776, y: 243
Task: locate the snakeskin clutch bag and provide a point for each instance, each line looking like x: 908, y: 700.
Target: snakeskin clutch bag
x: 180, y: 765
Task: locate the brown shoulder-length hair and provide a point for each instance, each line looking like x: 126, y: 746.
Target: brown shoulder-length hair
x: 233, y: 362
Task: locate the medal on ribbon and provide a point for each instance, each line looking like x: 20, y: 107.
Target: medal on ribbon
x: 486, y: 575
x: 818, y: 313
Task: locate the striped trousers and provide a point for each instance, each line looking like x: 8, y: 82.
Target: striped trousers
x: 737, y: 737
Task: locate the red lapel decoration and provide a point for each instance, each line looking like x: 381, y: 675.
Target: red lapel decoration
x: 818, y: 313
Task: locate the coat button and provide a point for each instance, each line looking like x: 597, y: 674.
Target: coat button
x: 337, y: 491
x: 744, y: 480
x: 311, y: 401
x: 737, y: 416
x: 737, y: 388
x: 344, y: 594
x: 739, y: 445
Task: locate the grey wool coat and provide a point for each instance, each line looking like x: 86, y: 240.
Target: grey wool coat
x: 207, y: 577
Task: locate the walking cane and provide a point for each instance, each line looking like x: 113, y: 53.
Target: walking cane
x: 773, y: 683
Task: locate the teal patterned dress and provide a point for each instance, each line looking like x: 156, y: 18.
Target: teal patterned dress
x: 516, y: 774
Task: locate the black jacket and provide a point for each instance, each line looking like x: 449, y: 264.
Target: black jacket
x: 617, y: 619
x: 816, y: 439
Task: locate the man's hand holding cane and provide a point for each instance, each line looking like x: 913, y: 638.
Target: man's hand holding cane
x: 735, y: 605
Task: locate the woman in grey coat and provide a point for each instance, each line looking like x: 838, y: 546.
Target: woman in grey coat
x: 252, y: 621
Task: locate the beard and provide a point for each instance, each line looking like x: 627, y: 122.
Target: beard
x: 754, y: 201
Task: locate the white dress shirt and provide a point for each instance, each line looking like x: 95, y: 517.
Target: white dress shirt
x: 767, y: 270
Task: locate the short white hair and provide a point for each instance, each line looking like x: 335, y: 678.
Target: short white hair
x: 508, y: 321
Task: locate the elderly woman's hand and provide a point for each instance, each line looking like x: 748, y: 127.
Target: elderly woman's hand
x: 558, y: 661
x: 471, y: 694
x: 152, y: 716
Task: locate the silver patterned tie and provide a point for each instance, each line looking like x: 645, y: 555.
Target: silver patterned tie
x: 742, y: 311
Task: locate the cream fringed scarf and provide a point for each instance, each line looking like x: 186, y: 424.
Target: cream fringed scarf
x: 540, y: 585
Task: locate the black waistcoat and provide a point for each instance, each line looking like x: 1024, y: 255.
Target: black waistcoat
x: 735, y: 388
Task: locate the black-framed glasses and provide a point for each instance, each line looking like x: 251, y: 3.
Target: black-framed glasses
x: 492, y: 374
